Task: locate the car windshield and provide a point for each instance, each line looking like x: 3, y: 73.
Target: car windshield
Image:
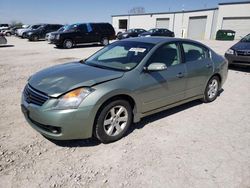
x: 246, y: 38
x: 35, y: 26
x: 130, y: 31
x: 122, y: 55
x: 61, y: 29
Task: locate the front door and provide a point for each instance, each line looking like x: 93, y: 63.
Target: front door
x: 165, y: 87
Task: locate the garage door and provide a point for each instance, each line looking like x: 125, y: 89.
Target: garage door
x: 197, y: 27
x: 240, y: 25
x: 162, y: 23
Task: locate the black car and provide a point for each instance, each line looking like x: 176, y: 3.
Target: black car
x: 130, y: 33
x: 33, y: 27
x: 158, y: 32
x: 41, y: 31
x: 84, y: 33
x: 239, y: 54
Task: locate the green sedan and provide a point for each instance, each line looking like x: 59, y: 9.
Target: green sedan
x: 120, y: 84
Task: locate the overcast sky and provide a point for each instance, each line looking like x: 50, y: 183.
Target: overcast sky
x: 70, y: 11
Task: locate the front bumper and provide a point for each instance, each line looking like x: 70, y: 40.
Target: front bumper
x: 59, y: 124
x: 238, y: 60
x: 56, y: 41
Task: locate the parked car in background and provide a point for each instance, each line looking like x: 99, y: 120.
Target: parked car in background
x: 84, y: 33
x: 41, y: 32
x: 157, y: 32
x: 3, y: 40
x: 120, y: 84
x: 4, y: 26
x: 20, y: 29
x: 239, y: 54
x: 130, y: 33
x: 10, y: 31
x: 50, y: 36
x: 22, y: 32
x: 31, y: 28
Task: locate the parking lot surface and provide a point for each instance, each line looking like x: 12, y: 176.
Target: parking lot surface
x: 193, y: 145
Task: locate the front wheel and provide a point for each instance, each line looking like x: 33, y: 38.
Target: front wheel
x: 105, y: 41
x: 8, y: 34
x: 34, y: 38
x: 68, y: 44
x: 113, y: 121
x: 212, y: 89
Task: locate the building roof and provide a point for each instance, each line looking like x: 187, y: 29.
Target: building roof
x: 184, y: 11
x: 151, y: 13
x: 235, y: 3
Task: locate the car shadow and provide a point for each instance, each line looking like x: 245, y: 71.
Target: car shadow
x: 76, y: 143
x: 162, y: 114
x: 80, y: 46
x: 6, y: 46
x: 146, y: 120
x: 240, y: 68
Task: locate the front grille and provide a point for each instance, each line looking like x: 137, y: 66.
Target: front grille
x: 33, y: 96
x: 243, y: 52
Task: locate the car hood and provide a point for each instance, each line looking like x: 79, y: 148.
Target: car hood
x: 241, y: 46
x: 59, y: 79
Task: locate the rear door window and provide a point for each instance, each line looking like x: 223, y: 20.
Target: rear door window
x: 193, y: 52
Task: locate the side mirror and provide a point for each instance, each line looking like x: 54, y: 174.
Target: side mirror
x: 156, y: 67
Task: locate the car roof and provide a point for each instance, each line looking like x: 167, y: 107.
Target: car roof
x: 156, y: 40
x: 159, y: 40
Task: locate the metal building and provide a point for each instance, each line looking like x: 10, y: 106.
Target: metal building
x: 195, y: 24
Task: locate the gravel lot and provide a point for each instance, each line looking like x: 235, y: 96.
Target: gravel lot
x: 194, y: 145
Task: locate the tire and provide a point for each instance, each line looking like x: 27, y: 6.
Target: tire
x: 68, y: 43
x: 113, y: 121
x: 34, y: 38
x: 105, y: 41
x: 8, y: 34
x: 212, y: 89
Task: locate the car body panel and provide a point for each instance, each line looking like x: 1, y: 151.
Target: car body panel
x: 150, y: 91
x: 55, y: 83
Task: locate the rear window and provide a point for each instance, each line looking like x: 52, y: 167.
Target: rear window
x: 104, y: 28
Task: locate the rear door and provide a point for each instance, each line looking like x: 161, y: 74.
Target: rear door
x: 199, y: 68
x: 165, y: 87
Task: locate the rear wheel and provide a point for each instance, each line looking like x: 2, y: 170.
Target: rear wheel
x: 212, y: 89
x: 113, y: 121
x: 105, y: 41
x: 68, y: 43
x: 8, y: 34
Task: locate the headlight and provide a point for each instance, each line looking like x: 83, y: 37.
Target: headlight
x: 57, y: 37
x: 72, y: 99
x: 230, y: 51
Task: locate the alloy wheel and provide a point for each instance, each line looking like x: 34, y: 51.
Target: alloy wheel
x: 212, y: 88
x: 115, y: 120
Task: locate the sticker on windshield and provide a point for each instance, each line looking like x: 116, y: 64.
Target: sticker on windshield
x: 136, y: 50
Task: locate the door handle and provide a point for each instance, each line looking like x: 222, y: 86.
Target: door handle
x: 180, y: 75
